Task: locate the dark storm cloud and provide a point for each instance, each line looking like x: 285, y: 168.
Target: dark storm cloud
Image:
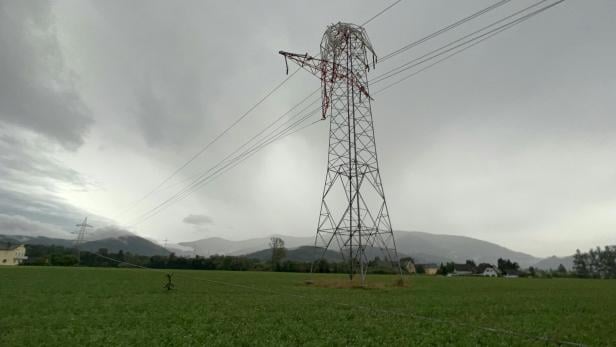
x: 41, y: 207
x: 36, y: 89
x: 173, y: 67
x: 28, y: 162
x: 29, y: 180
x: 20, y: 225
x: 33, y: 212
x: 198, y: 219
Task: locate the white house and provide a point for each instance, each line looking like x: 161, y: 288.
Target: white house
x: 489, y: 272
x: 12, y: 254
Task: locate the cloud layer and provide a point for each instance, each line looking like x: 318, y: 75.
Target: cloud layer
x: 198, y: 220
x: 37, y: 90
x: 100, y: 101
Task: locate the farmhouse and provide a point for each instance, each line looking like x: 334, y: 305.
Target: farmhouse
x: 489, y: 272
x: 462, y: 269
x: 410, y: 267
x: 12, y: 254
x: 430, y: 269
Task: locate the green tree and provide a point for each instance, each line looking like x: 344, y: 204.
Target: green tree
x: 63, y: 259
x: 580, y: 264
x: 610, y: 261
x: 593, y: 262
x: 278, y: 252
x: 505, y: 264
x: 322, y: 266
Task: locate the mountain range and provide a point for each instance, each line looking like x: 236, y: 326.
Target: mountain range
x: 126, y: 243
x: 423, y: 247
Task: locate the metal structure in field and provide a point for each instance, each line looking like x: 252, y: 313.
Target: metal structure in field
x: 81, y: 235
x: 354, y: 215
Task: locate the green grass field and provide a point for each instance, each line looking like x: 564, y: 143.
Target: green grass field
x: 128, y: 307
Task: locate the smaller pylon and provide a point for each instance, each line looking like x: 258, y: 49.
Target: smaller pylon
x: 81, y: 235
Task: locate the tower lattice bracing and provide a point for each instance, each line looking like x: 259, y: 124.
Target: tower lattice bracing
x: 354, y: 217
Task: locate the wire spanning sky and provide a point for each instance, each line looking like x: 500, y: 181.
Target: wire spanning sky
x: 511, y: 141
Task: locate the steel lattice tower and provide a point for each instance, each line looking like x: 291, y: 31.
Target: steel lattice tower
x: 354, y: 216
x: 81, y: 235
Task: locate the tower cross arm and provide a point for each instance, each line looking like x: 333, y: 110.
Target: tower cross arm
x: 328, y: 72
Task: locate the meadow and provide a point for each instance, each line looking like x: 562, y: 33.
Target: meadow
x: 55, y: 306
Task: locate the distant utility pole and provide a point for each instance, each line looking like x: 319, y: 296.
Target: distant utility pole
x: 81, y: 235
x: 354, y: 214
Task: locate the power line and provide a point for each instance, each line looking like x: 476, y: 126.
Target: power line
x: 204, y: 174
x: 187, y: 191
x: 443, y: 30
x: 277, y: 87
x: 204, y: 179
x: 265, y: 129
x: 226, y: 130
x: 213, y: 141
x: 281, y: 135
x: 381, y: 12
x: 428, y: 56
x: 498, y: 31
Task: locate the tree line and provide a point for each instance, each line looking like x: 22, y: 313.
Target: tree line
x: 43, y: 255
x: 596, y: 263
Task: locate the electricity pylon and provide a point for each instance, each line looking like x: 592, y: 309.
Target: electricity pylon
x: 354, y: 214
x: 81, y: 235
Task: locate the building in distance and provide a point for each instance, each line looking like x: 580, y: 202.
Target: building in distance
x: 12, y: 254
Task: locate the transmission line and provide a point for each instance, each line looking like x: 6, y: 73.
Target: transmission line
x: 492, y: 33
x: 204, y: 178
x: 381, y: 12
x: 207, y: 176
x: 239, y: 148
x: 408, y: 46
x: 201, y: 176
x: 226, y: 130
x: 213, y: 141
x: 429, y: 56
x: 443, y: 30
x: 266, y: 128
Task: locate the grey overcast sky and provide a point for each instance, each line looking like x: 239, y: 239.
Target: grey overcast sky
x: 512, y: 141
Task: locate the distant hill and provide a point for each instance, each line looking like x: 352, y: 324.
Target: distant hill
x: 302, y: 254
x: 217, y: 245
x: 457, y: 248
x: 36, y: 240
x: 133, y: 244
x: 423, y: 247
x: 553, y: 262
x: 127, y: 243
